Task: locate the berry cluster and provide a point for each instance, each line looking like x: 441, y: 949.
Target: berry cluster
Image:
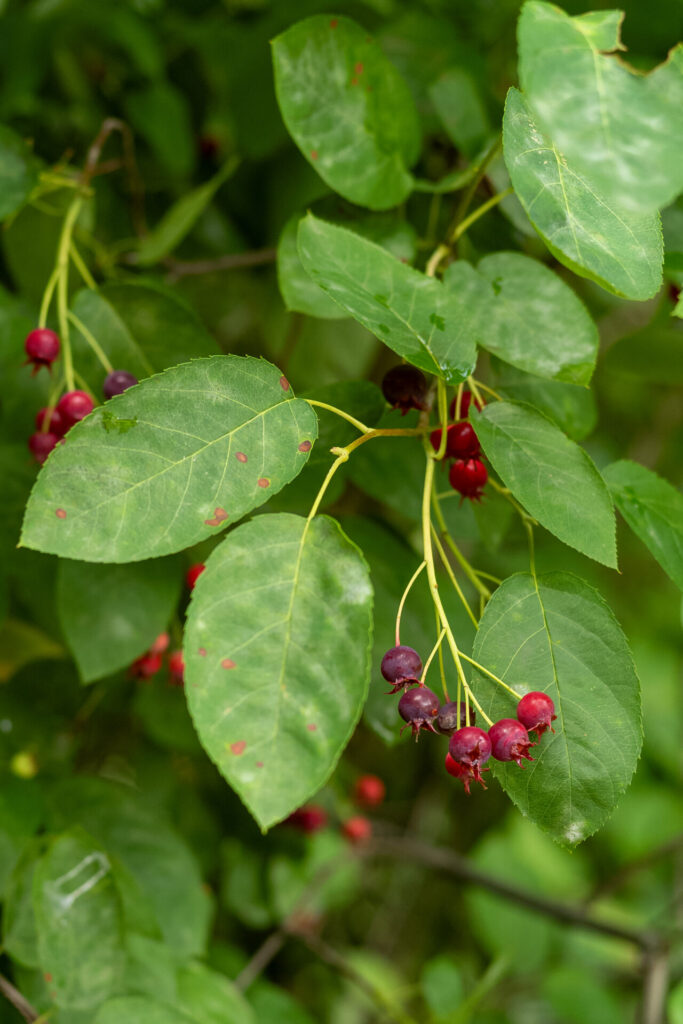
x: 467, y: 474
x: 469, y: 747
x: 52, y: 422
x: 151, y: 662
x: 368, y: 792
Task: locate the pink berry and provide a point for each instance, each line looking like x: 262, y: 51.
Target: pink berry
x: 74, y: 406
x: 369, y: 791
x: 50, y: 419
x: 510, y: 741
x: 468, y: 477
x: 42, y: 347
x: 401, y: 666
x: 536, y: 711
x: 41, y: 444
x: 418, y: 708
x: 310, y: 818
x: 176, y: 668
x: 470, y: 749
x: 357, y: 829
x: 160, y: 644
x: 193, y: 574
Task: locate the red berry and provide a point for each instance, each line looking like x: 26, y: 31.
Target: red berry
x: 160, y: 644
x: 468, y: 477
x: 308, y: 819
x: 369, y: 791
x: 42, y: 347
x: 401, y: 666
x: 41, y: 444
x: 452, y: 716
x: 469, y: 748
x: 193, y: 574
x: 536, y: 711
x: 465, y: 403
x: 55, y: 423
x: 462, y: 772
x: 176, y: 668
x: 510, y: 741
x: 357, y: 829
x: 418, y: 708
x: 118, y: 381
x: 74, y: 406
x: 146, y: 666
x: 405, y: 387
x: 461, y: 441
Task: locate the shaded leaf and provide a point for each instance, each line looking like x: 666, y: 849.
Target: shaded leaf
x: 138, y: 1010
x: 460, y: 110
x: 571, y: 407
x: 208, y: 997
x: 18, y: 171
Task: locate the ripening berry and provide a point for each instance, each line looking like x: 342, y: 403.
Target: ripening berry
x: 357, y: 829
x: 160, y: 644
x: 468, y: 477
x: 310, y: 818
x: 470, y: 749
x: 536, y: 711
x: 369, y: 791
x: 510, y: 741
x: 118, y: 381
x: 401, y: 666
x: 464, y: 773
x: 51, y: 420
x: 74, y: 406
x: 42, y: 348
x: 465, y: 402
x: 176, y: 668
x: 41, y: 444
x: 461, y: 441
x: 453, y: 716
x: 193, y: 574
x: 146, y: 666
x: 418, y: 708
x: 405, y: 387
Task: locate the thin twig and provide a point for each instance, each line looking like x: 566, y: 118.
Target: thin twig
x: 232, y: 261
x: 655, y: 964
x: 19, y: 1002
x: 135, y: 186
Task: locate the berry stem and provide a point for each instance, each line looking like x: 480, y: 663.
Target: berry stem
x: 429, y: 660
x: 474, y: 388
x: 443, y: 418
x: 63, y: 287
x: 479, y: 212
x: 94, y: 345
x: 399, y: 613
x: 451, y: 575
x: 486, y: 388
x: 495, y: 678
x: 465, y: 565
x: 47, y: 297
x: 81, y: 266
x: 340, y: 412
x: 442, y: 670
x: 458, y: 400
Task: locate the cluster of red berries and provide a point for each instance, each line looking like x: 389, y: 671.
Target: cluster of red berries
x: 469, y: 747
x: 52, y: 423
x: 368, y: 792
x: 405, y: 387
x: 151, y: 662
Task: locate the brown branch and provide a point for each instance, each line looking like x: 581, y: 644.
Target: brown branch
x: 19, y: 1002
x: 655, y: 964
x: 135, y: 186
x: 230, y: 262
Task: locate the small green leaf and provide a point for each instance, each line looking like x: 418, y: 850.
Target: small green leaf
x: 263, y: 660
x: 589, y: 234
x: 19, y: 935
x: 18, y: 172
x: 138, y: 1010
x: 179, y: 220
x: 557, y: 635
x: 111, y: 614
x: 441, y: 985
x: 553, y: 477
x: 461, y: 110
x: 214, y: 439
x: 654, y: 511
x: 571, y: 407
x: 207, y: 997
x: 618, y: 128
x: 79, y: 922
x: 431, y: 325
x: 348, y: 110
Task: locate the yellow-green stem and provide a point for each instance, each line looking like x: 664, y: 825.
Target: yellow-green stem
x: 490, y: 391
x: 81, y: 267
x: 495, y: 678
x: 340, y: 412
x: 451, y: 575
x: 465, y: 565
x: 63, y: 287
x: 467, y: 223
x: 407, y: 590
x: 442, y: 670
x: 435, y: 648
x: 474, y: 388
x: 443, y: 418
x: 89, y: 337
x: 47, y: 297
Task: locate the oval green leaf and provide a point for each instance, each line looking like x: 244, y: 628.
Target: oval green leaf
x: 277, y: 648
x: 430, y: 325
x: 653, y: 508
x: 586, y: 232
x: 169, y: 462
x: 556, y: 634
x: 553, y: 477
x: 348, y: 109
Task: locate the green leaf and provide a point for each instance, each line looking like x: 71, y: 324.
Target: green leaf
x: 213, y: 440
x: 19, y: 935
x: 161, y: 114
x: 653, y: 508
x: 461, y: 110
x: 18, y: 172
x: 441, y: 985
x: 589, y: 234
x: 348, y: 109
x: 556, y: 634
x: 111, y: 614
x: 430, y: 325
x: 553, y: 477
x: 20, y: 815
x: 180, y: 218
x: 140, y: 328
x: 262, y: 676
x: 530, y: 318
x: 151, y: 968
x: 652, y: 354
x: 571, y: 407
x: 208, y: 997
x: 276, y: 1004
x: 79, y: 922
x: 299, y: 291
x: 618, y: 128
x: 138, y: 1010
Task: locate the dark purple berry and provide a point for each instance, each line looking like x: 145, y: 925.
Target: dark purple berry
x: 452, y: 716
x: 469, y: 748
x: 468, y: 477
x: 405, y: 387
x: 536, y: 711
x: 118, y: 381
x: 74, y: 406
x: 401, y: 666
x: 419, y: 708
x: 42, y: 347
x: 41, y: 444
x: 510, y: 741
